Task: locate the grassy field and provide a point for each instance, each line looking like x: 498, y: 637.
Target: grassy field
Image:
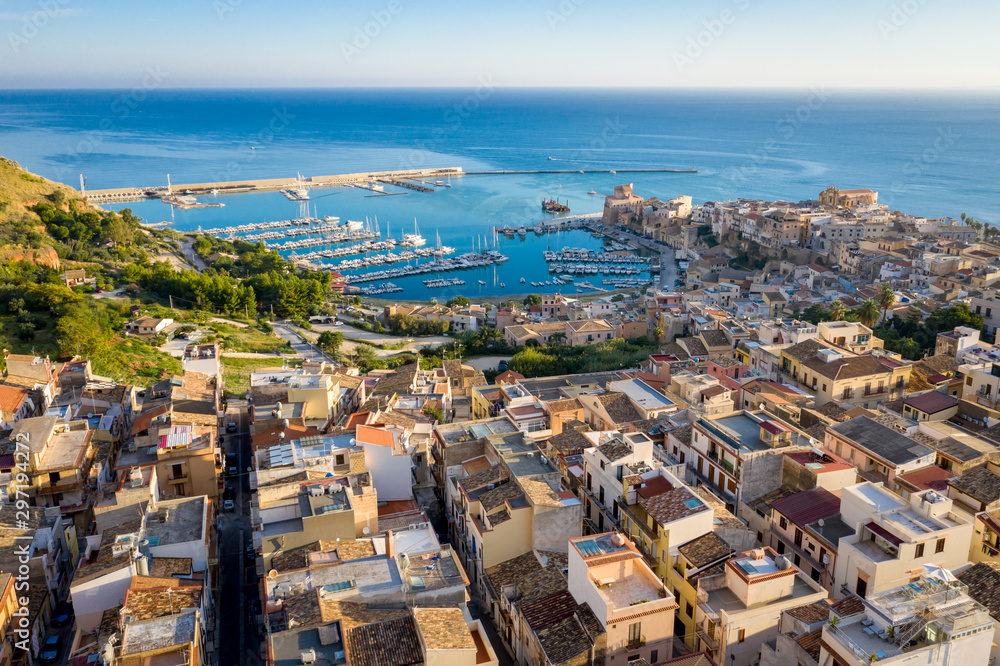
x: 236, y: 372
x: 134, y: 361
x: 235, y: 338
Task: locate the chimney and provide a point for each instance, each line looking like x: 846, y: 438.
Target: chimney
x: 390, y: 549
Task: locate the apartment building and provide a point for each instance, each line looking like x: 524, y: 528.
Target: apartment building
x: 879, y: 452
x: 806, y: 527
x: 892, y: 538
x: 739, y: 455
x: 615, y: 457
x: 740, y: 607
x: 834, y: 374
x: 632, y: 606
x: 929, y: 620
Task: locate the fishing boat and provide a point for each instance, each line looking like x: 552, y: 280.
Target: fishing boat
x: 522, y: 280
x: 482, y: 283
x: 592, y: 193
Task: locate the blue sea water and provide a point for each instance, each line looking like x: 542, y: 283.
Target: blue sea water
x: 927, y: 154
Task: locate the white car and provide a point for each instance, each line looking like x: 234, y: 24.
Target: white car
x: 338, y: 323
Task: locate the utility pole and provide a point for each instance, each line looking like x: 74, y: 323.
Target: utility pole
x: 171, y: 297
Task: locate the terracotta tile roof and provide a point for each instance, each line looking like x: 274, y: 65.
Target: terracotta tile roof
x: 546, y: 611
x: 543, y: 583
x: 811, y: 613
x: 983, y: 580
x: 848, y: 606
x: 928, y: 478
x: 570, y: 442
x: 619, y: 407
x: 653, y: 487
x: 271, y: 436
x: 145, y: 604
x: 714, y: 339
x: 476, y: 465
x: 294, y: 558
x: 142, y: 421
x: 704, y: 550
x: 614, y: 450
x: 672, y: 505
x: 979, y: 483
x: 493, y: 499
x: 566, y: 405
x: 165, y: 567
x: 105, y: 561
x: 399, y: 521
x: 511, y: 572
x: 811, y: 643
x: 565, y: 640
x: 11, y: 398
x: 444, y: 629
x: 389, y: 643
x: 492, y: 474
x: 354, y: 550
x: 682, y: 434
x: 931, y: 402
x: 509, y: 377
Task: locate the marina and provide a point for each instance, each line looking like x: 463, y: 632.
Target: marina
x: 461, y: 262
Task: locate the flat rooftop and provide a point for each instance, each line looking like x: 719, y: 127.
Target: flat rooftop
x: 159, y: 633
x: 599, y: 544
x: 642, y: 394
x: 724, y: 599
x: 176, y: 521
x: 740, y: 431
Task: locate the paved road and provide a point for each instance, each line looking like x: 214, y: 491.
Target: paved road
x: 668, y: 267
x: 304, y: 349
x: 239, y: 595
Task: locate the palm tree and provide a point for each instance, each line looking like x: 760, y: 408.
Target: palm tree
x: 886, y: 297
x: 868, y: 312
x: 837, y: 310
x: 657, y: 333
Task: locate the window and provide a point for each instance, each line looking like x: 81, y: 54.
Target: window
x: 743, y: 635
x: 602, y: 494
x: 815, y: 575
x: 940, y: 546
x: 862, y: 587
x: 782, y: 523
x: 634, y: 633
x: 920, y: 550
x: 798, y: 537
x: 340, y: 459
x: 781, y: 547
x: 590, y: 482
x: 688, y: 610
x: 654, y: 656
x: 53, y: 477
x: 798, y: 560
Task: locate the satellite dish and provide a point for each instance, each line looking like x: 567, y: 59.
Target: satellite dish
x: 272, y: 574
x: 366, y: 531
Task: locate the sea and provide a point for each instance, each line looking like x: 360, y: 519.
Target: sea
x: 927, y: 154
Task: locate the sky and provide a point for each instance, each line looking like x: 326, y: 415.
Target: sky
x: 874, y: 44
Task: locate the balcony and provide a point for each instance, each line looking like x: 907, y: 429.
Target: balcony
x: 635, y: 642
x: 651, y: 533
x: 710, y: 642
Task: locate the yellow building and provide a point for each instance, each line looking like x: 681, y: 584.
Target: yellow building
x: 985, y: 545
x: 702, y: 556
x: 833, y: 374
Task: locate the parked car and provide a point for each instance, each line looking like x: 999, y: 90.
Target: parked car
x: 231, y: 427
x: 228, y: 505
x: 62, y: 615
x: 502, y: 365
x: 50, y: 649
x: 231, y: 467
x: 338, y: 323
x: 250, y: 554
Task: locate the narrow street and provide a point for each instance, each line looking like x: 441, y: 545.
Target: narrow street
x: 238, y: 599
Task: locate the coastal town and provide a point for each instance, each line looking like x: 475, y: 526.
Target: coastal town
x: 802, y: 465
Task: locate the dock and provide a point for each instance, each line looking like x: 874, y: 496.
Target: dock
x: 397, y: 178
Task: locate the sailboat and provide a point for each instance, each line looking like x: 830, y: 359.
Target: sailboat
x: 414, y: 239
x: 298, y: 193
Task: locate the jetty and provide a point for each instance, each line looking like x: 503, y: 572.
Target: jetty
x: 461, y: 262
x: 328, y: 239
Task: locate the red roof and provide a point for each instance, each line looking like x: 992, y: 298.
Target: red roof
x: 808, y: 506
x: 377, y: 436
x: 358, y: 418
x: 937, y: 379
x: 931, y: 402
x: 928, y: 478
x: 653, y: 487
x: 11, y: 398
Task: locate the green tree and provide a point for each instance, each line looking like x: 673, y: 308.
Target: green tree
x: 657, y: 333
x: 886, y: 297
x: 330, y: 341
x: 460, y: 301
x: 868, y: 312
x: 837, y: 310
x: 532, y: 299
